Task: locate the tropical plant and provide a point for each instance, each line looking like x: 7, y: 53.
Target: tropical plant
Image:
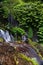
x: 8, y: 6
x: 27, y: 14
x: 17, y: 30
x: 40, y: 34
x: 30, y: 14
x: 30, y: 33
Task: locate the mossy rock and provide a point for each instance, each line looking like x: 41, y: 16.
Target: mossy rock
x: 15, y: 54
x: 1, y: 40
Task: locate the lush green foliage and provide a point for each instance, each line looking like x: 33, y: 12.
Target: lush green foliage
x: 40, y: 34
x: 8, y: 6
x: 40, y: 31
x: 30, y: 18
x: 30, y: 14
x: 17, y: 30
x: 30, y: 0
x: 30, y: 32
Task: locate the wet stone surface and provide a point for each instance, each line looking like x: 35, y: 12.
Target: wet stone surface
x: 9, y: 53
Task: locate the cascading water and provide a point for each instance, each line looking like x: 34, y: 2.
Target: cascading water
x: 6, y: 36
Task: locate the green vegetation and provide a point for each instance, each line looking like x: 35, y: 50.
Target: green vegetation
x: 17, y: 30
x: 27, y: 14
x: 30, y: 32
x: 33, y: 60
x: 1, y: 40
x: 40, y: 34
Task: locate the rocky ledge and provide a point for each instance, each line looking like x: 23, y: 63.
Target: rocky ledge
x: 18, y: 54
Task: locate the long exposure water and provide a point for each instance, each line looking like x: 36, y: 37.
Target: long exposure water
x: 6, y: 36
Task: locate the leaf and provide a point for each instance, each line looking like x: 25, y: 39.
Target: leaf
x: 30, y: 33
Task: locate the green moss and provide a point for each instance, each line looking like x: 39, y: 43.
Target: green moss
x: 1, y: 40
x: 33, y: 60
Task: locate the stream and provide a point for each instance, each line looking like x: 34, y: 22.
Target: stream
x: 6, y: 36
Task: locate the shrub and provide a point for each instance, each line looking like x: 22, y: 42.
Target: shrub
x: 30, y: 14
x: 17, y: 30
x: 7, y: 6
x: 30, y: 33
x: 40, y: 34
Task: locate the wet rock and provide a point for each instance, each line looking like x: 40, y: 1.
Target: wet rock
x: 9, y: 53
x: 40, y: 48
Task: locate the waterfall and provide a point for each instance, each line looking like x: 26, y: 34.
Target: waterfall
x: 6, y: 36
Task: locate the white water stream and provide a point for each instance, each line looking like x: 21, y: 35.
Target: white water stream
x: 6, y: 36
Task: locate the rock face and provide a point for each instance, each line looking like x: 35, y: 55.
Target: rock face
x: 40, y: 48
x: 9, y: 54
x: 6, y: 55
